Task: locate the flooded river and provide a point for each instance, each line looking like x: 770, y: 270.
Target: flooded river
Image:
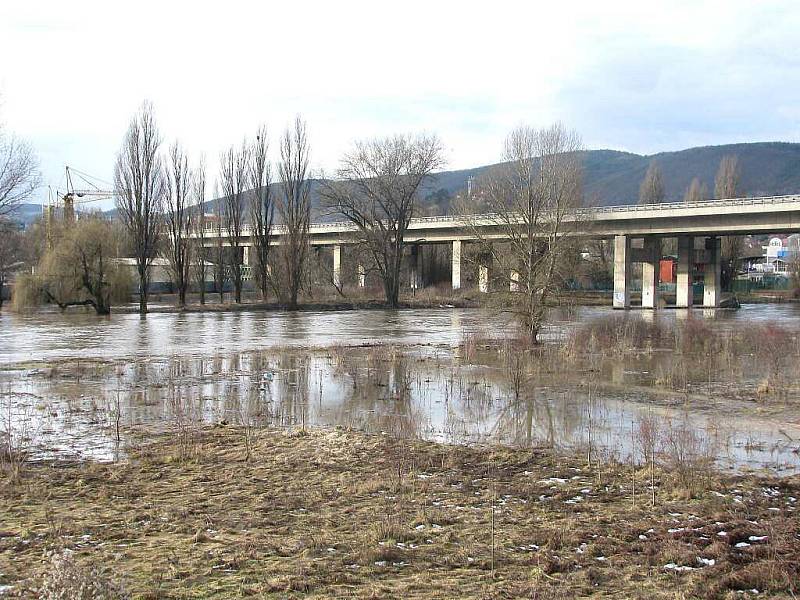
x: 68, y: 381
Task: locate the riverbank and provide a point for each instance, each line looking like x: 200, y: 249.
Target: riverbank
x: 232, y: 512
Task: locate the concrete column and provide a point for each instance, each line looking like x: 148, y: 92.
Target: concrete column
x: 514, y: 281
x: 650, y: 265
x: 362, y: 276
x: 713, y: 273
x: 337, y: 266
x: 246, y: 255
x: 416, y: 275
x: 456, y: 265
x: 483, y: 278
x: 684, y: 297
x: 622, y: 271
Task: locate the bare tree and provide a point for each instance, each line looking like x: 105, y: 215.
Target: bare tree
x: 530, y: 199
x: 140, y: 188
x: 726, y: 185
x: 178, y: 177
x: 10, y: 252
x: 651, y: 191
x: 697, y: 192
x: 294, y: 206
x: 262, y: 209
x: 19, y: 172
x: 378, y: 191
x: 200, y: 226
x: 220, y: 267
x: 233, y: 179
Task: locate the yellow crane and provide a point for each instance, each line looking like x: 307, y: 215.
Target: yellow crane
x: 67, y: 199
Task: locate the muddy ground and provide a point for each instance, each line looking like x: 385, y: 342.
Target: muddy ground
x: 238, y: 512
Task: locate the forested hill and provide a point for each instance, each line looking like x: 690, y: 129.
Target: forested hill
x: 613, y: 177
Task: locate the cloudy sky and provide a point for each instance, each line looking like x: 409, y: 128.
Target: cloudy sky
x: 639, y: 76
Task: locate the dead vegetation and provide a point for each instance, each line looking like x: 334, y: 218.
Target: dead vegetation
x: 334, y: 513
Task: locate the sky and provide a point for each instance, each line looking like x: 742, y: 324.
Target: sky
x: 645, y: 77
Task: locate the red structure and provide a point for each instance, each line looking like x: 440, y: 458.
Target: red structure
x: 668, y: 268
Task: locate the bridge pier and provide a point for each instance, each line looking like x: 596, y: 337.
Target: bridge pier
x: 683, y: 290
x: 483, y: 276
x: 712, y: 273
x: 622, y: 271
x: 246, y: 256
x: 416, y: 275
x: 455, y: 269
x: 362, y: 276
x: 650, y: 264
x: 337, y: 265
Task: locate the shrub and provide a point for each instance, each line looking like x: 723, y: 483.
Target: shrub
x: 67, y: 580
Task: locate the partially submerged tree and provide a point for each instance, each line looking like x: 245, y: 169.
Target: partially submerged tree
x: 220, y: 266
x: 651, y: 190
x: 233, y: 180
x: 140, y: 188
x: 530, y: 200
x: 262, y: 209
x: 179, y: 220
x: 378, y: 191
x: 82, y: 269
x: 19, y: 172
x: 199, y: 190
x: 726, y: 185
x: 294, y: 207
x: 696, y: 192
x: 11, y: 251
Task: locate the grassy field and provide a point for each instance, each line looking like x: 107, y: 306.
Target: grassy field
x: 229, y: 512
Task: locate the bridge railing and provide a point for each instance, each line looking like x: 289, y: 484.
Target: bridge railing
x: 585, y: 213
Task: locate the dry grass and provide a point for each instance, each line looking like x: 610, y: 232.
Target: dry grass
x: 343, y: 514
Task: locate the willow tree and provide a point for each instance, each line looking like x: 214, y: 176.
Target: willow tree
x: 140, y: 190
x: 377, y: 190
x: 82, y: 268
x: 531, y: 199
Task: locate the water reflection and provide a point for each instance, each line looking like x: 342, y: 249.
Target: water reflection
x: 422, y: 392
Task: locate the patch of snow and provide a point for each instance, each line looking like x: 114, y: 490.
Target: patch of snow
x: 677, y: 568
x: 722, y: 533
x: 757, y: 538
x: 742, y: 545
x: 708, y: 562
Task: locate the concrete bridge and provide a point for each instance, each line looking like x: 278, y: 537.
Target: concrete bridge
x: 636, y: 230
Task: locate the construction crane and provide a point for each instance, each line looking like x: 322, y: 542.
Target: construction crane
x: 67, y: 199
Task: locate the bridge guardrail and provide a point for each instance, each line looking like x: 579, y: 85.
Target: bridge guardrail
x: 586, y: 211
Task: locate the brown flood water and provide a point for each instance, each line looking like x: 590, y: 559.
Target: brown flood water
x: 65, y: 380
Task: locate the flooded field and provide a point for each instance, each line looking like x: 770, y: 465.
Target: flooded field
x: 78, y: 385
